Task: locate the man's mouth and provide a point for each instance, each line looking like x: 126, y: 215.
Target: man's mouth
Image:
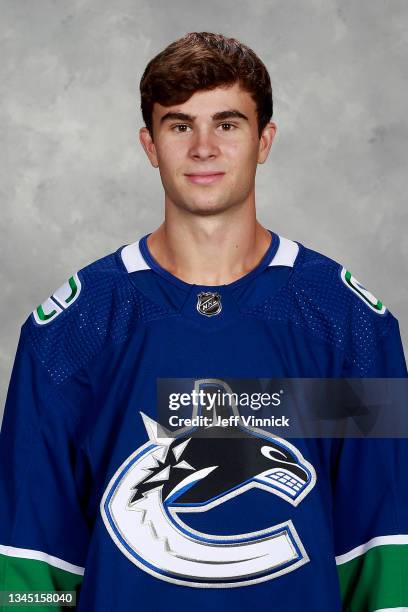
x: 204, y: 178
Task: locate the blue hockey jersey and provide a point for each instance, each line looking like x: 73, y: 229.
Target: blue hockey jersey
x: 93, y: 500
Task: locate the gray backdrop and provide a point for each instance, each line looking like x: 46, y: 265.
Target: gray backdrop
x: 75, y: 183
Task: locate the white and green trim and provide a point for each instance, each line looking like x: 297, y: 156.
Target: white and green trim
x: 361, y: 550
x: 383, y: 562
x: 26, y: 570
x: 38, y: 555
x: 403, y: 609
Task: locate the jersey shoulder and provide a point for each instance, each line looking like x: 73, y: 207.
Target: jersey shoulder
x: 94, y: 306
x: 331, y: 281
x: 321, y: 299
x: 339, y: 308
x: 87, y: 289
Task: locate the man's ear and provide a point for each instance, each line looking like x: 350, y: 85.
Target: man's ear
x: 148, y: 145
x: 265, y: 141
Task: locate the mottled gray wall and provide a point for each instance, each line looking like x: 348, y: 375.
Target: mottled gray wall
x: 75, y: 183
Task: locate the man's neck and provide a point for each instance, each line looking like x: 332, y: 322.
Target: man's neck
x: 208, y: 251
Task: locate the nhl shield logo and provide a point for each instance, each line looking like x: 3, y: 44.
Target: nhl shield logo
x: 209, y: 303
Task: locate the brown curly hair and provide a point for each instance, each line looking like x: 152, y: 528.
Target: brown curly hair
x: 204, y: 61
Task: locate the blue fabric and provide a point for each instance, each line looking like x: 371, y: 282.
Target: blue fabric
x: 73, y: 421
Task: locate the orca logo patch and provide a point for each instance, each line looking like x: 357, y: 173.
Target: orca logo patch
x: 158, y: 502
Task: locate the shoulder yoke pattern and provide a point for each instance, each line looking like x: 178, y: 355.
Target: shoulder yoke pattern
x: 317, y: 300
x: 107, y: 308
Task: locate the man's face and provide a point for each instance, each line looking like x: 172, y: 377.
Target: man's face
x: 207, y: 149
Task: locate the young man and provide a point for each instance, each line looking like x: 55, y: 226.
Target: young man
x: 93, y: 498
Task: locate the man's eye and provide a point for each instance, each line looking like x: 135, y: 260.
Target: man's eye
x: 230, y: 125
x: 179, y: 125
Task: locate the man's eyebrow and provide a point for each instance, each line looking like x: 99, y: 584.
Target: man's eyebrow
x: 227, y: 114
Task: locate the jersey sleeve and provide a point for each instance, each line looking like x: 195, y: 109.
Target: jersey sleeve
x: 370, y: 494
x: 43, y: 530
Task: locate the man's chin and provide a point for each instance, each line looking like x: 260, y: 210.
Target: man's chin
x: 206, y: 208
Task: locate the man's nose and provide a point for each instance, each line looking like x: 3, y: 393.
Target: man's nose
x: 203, y: 144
